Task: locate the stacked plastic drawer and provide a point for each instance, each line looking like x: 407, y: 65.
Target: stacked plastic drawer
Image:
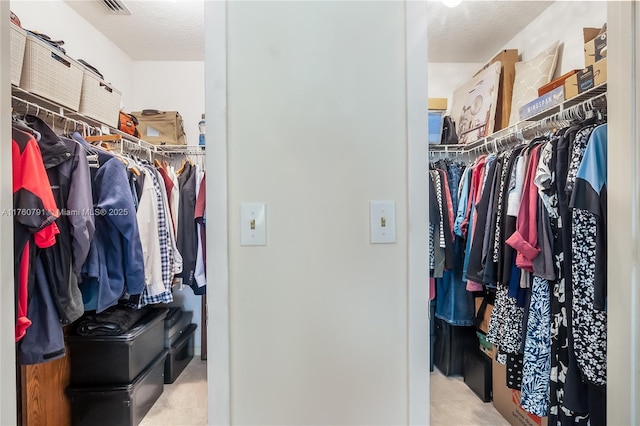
x: 179, y: 335
x: 115, y: 380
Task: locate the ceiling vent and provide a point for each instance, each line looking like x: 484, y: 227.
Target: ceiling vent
x: 116, y: 7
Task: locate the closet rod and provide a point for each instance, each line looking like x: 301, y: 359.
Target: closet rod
x: 545, y: 125
x: 133, y: 143
x: 39, y: 109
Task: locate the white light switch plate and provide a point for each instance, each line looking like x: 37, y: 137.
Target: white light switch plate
x: 383, y: 222
x: 253, y: 224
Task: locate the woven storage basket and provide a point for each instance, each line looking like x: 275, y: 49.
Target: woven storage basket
x: 99, y: 100
x: 49, y: 73
x: 18, y: 42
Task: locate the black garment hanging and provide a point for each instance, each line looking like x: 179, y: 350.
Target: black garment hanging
x: 502, y: 272
x: 187, y: 227
x: 68, y: 173
x: 475, y: 270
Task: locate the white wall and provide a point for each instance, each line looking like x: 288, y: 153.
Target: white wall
x: 170, y: 86
x: 82, y: 41
x: 7, y: 313
x: 564, y: 21
x: 317, y: 128
x: 445, y: 78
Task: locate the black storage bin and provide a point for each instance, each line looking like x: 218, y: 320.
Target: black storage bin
x: 117, y: 360
x: 477, y: 373
x: 120, y: 405
x: 451, y: 342
x: 180, y: 354
x: 175, y: 324
x: 172, y: 317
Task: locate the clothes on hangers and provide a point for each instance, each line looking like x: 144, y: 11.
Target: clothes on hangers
x: 68, y: 171
x: 532, y: 220
x: 115, y: 263
x: 95, y: 229
x: 34, y: 227
x: 200, y: 277
x: 589, y: 271
x: 187, y: 229
x: 453, y: 303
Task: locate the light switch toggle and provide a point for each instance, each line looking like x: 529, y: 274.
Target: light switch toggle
x: 253, y: 224
x: 383, y: 221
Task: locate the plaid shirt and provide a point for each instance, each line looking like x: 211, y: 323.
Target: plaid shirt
x: 166, y: 254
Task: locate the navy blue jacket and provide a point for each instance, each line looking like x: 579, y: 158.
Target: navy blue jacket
x: 115, y: 262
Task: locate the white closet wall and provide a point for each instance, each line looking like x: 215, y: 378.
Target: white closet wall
x: 82, y: 41
x: 564, y: 21
x: 445, y: 77
x: 173, y: 85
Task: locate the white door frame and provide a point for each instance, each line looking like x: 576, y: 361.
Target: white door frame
x: 417, y: 64
x: 623, y: 343
x: 218, y: 324
x: 8, y: 397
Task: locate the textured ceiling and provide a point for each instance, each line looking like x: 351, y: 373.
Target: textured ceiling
x: 165, y: 30
x: 156, y: 30
x: 474, y: 31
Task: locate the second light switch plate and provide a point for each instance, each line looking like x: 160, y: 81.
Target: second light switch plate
x: 253, y: 224
x: 383, y: 222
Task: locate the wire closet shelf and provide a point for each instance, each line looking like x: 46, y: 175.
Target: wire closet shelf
x: 570, y: 111
x: 71, y: 120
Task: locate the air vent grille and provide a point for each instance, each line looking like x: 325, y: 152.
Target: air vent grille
x: 116, y: 7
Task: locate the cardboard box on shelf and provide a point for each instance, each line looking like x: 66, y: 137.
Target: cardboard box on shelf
x: 590, y: 77
x: 508, y: 59
x: 507, y: 401
x: 438, y: 104
x: 595, y: 45
x: 558, y: 82
x: 544, y: 102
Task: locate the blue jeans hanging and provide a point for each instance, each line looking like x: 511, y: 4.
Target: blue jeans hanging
x: 454, y: 304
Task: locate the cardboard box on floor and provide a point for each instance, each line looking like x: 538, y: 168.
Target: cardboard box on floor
x: 507, y: 401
